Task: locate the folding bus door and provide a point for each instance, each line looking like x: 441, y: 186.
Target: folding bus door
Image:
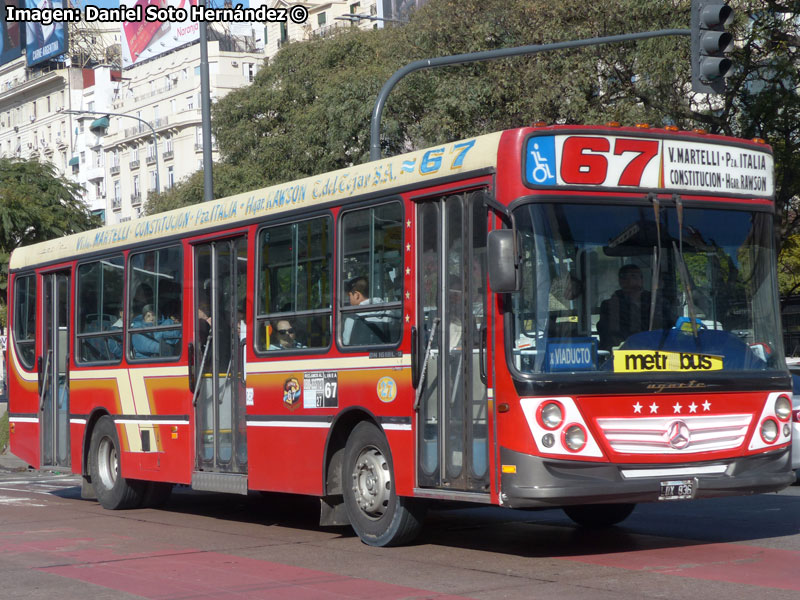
x: 53, y: 370
x: 453, y: 413
x: 219, y: 353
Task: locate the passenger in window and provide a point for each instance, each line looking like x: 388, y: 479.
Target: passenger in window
x: 284, y: 336
x: 203, y: 323
x: 172, y: 337
x: 145, y: 345
x: 357, y: 290
x: 363, y: 329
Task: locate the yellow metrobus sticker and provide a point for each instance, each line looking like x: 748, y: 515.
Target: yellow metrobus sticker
x: 658, y: 361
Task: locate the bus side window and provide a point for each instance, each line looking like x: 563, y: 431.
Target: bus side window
x: 25, y: 319
x: 294, y: 299
x: 371, y: 276
x: 99, y: 292
x: 155, y: 304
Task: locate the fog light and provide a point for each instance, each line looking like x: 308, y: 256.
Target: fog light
x: 551, y: 415
x: 769, y: 430
x: 786, y: 430
x: 783, y: 408
x: 548, y: 439
x: 574, y: 438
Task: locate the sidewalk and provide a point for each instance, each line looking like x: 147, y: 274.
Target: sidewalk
x: 9, y: 462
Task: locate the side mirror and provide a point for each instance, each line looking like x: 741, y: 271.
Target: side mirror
x: 502, y: 261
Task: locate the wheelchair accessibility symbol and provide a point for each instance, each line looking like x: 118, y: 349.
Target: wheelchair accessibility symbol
x: 541, y: 160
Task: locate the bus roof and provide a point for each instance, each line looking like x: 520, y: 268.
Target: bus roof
x: 391, y: 173
x: 596, y: 158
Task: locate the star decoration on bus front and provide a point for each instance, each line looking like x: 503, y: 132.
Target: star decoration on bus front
x: 677, y: 408
x: 706, y: 405
x: 692, y: 407
x: 637, y: 408
x: 654, y: 408
x: 408, y: 223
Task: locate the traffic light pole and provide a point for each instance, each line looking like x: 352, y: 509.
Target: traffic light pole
x: 458, y: 59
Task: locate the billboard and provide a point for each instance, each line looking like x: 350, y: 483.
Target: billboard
x: 44, y: 42
x: 398, y: 10
x: 10, y: 35
x: 142, y: 40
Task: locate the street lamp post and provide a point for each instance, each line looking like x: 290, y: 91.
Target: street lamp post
x: 113, y: 114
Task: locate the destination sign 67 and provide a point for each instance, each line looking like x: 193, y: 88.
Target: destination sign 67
x: 628, y: 162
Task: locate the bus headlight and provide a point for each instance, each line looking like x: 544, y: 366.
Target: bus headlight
x: 574, y: 438
x: 769, y: 430
x: 551, y: 415
x: 783, y: 408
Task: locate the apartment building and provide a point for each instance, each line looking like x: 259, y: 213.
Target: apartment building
x: 163, y: 97
x: 51, y: 114
x: 323, y: 19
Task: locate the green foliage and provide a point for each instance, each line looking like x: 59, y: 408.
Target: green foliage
x: 3, y: 432
x: 37, y: 204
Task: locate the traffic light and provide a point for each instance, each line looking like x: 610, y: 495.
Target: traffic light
x: 710, y: 45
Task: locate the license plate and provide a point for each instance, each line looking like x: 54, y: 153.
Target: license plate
x: 681, y: 489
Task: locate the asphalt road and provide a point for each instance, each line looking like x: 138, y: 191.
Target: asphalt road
x: 201, y: 545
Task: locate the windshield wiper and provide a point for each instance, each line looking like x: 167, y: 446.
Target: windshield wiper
x: 656, y: 275
x: 684, y: 272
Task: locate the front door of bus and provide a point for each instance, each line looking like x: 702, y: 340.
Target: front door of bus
x: 453, y: 412
x: 220, y: 292
x: 53, y: 367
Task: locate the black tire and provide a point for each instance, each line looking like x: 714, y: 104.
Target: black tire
x: 597, y: 516
x: 113, y: 491
x: 156, y: 494
x: 377, y: 514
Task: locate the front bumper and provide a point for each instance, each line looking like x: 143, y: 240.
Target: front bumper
x: 545, y: 482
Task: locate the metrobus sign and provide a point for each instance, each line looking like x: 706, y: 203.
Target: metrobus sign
x: 631, y: 162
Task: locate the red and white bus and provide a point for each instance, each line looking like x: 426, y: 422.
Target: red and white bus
x: 575, y: 317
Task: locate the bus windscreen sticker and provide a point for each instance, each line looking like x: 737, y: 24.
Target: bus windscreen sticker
x: 659, y: 361
x: 573, y: 354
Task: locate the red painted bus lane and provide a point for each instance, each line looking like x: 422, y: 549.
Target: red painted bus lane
x: 732, y: 563
x: 215, y: 575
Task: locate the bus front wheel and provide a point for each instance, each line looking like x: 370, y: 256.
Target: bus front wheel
x: 377, y: 514
x: 113, y: 491
x: 599, y: 515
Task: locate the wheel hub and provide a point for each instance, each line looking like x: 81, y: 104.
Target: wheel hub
x: 372, y: 483
x: 107, y: 463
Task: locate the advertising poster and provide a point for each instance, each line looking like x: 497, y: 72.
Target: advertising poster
x: 142, y: 40
x: 10, y: 35
x: 45, y: 41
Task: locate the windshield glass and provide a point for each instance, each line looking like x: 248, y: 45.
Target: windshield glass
x: 617, y: 289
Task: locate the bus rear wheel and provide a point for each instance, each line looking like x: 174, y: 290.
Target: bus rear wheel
x: 112, y: 490
x: 597, y: 516
x: 377, y: 514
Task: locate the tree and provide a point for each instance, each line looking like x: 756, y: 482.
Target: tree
x: 36, y: 204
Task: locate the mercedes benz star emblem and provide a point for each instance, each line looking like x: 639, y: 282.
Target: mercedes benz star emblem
x: 679, y: 435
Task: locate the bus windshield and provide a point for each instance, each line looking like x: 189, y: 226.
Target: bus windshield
x: 644, y: 289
